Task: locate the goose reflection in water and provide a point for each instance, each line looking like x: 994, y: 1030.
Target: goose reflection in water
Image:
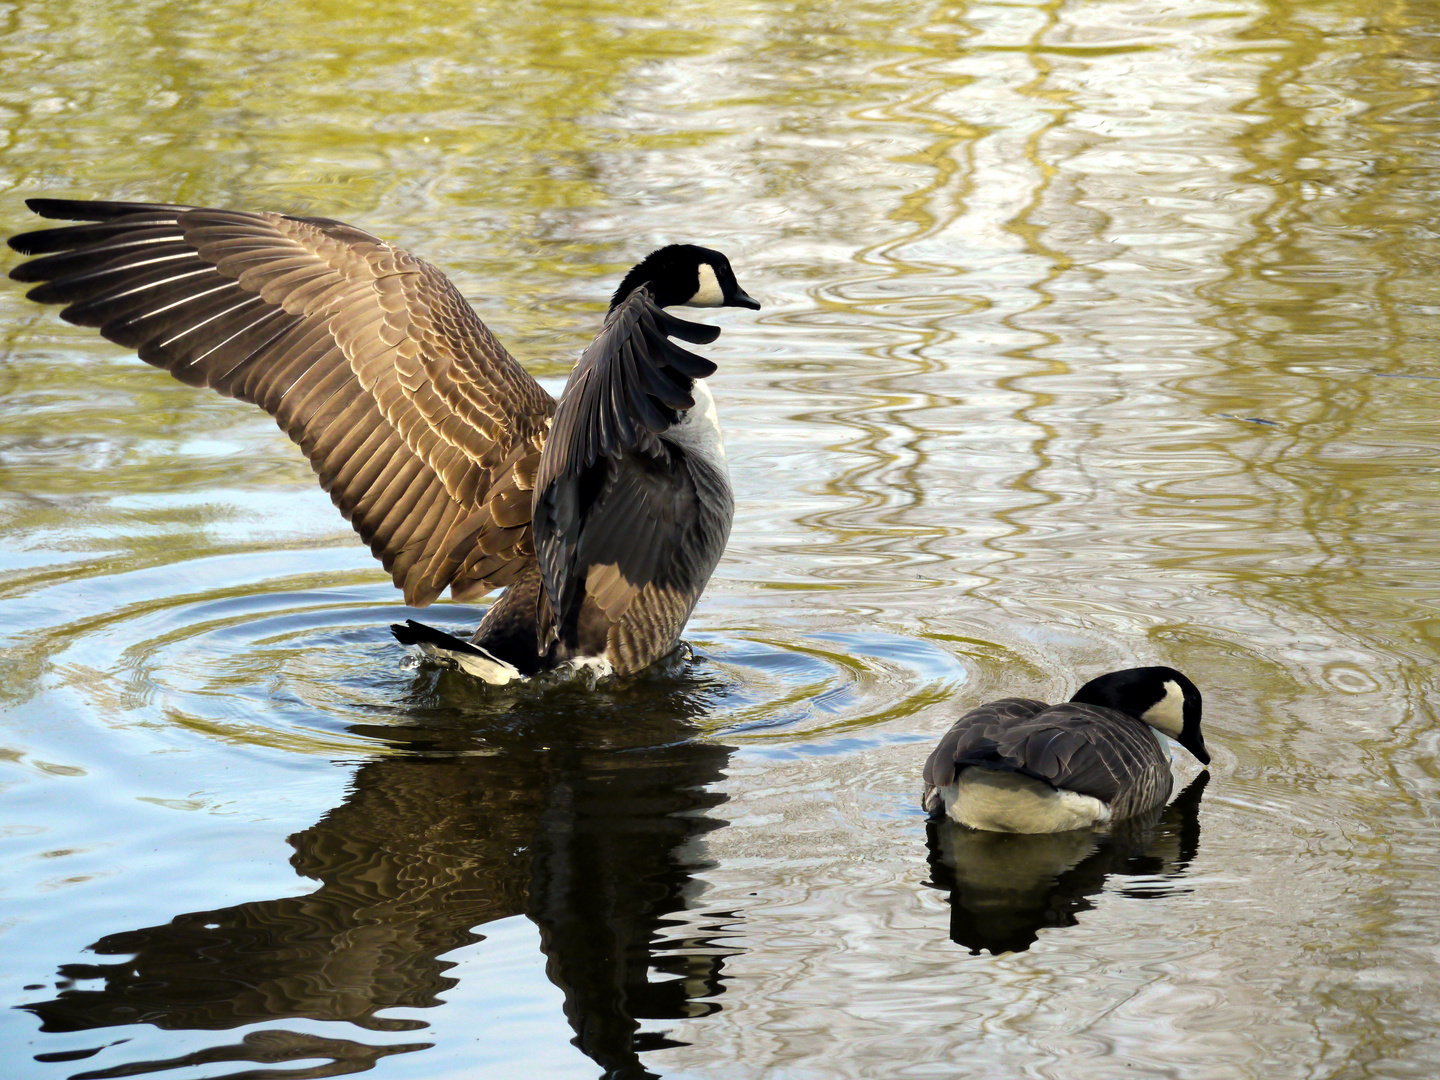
x: 1007, y: 887
x: 585, y: 821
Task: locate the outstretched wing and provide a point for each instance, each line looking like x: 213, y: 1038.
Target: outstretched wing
x: 425, y: 432
x: 628, y: 387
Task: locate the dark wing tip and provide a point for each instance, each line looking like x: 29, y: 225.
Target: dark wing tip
x: 693, y: 332
x: 40, y: 242
x: 58, y: 209
x: 96, y: 209
x: 43, y: 241
x: 23, y: 272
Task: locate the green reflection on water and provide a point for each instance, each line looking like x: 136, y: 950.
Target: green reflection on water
x: 1094, y: 332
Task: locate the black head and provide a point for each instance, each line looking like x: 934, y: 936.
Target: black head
x: 686, y: 274
x: 1160, y: 696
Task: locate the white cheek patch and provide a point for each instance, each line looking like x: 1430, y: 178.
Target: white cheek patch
x: 1168, y: 714
x: 709, y: 294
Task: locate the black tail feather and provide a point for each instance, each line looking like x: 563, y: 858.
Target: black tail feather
x: 414, y: 633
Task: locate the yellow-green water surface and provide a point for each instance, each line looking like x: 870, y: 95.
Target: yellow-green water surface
x: 1096, y: 332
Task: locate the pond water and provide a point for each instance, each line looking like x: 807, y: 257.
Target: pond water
x: 1096, y: 332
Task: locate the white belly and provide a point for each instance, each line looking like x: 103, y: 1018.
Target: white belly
x: 1009, y: 802
x: 698, y: 432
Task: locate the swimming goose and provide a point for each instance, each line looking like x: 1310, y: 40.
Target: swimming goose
x: 604, y: 513
x: 1019, y: 765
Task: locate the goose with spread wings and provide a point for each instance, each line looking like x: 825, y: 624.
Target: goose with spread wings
x: 602, y: 514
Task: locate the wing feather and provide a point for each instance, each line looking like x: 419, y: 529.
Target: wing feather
x: 426, y: 433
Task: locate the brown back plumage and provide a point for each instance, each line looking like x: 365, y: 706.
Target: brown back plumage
x: 425, y: 432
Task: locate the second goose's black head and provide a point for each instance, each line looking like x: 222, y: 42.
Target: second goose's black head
x: 686, y: 274
x: 1160, y: 696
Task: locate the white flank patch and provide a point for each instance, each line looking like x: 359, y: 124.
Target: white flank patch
x: 1009, y: 802
x: 494, y: 671
x: 709, y: 294
x: 1168, y: 714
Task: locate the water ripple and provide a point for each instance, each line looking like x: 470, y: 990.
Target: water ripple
x: 258, y: 661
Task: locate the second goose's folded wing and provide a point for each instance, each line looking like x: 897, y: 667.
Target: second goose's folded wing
x: 1075, y: 747
x: 425, y: 432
